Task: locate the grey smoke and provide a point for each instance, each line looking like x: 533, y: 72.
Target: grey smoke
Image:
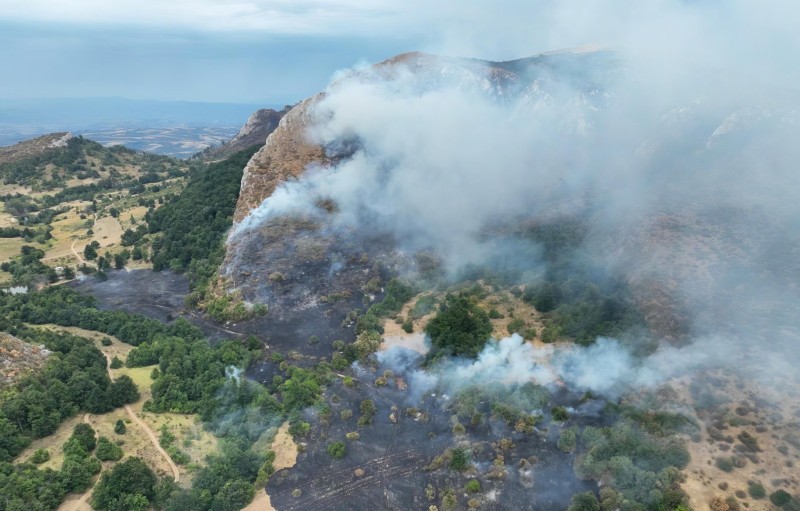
x: 684, y: 158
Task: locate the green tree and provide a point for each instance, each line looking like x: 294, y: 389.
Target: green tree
x: 234, y: 496
x: 118, y: 489
x: 337, y: 450
x: 107, y: 451
x: 584, y: 502
x: 89, y: 252
x: 85, y: 435
x: 123, y: 391
x: 460, y: 327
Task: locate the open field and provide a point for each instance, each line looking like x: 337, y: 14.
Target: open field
x: 285, y: 450
x: 190, y: 436
x: 747, y: 437
x: 9, y: 247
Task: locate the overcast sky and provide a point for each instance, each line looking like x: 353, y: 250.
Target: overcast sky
x: 273, y: 51
x: 280, y: 51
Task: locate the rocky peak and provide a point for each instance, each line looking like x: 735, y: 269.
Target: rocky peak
x: 34, y: 146
x: 289, y: 151
x: 258, y: 127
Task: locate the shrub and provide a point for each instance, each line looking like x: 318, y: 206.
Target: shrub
x: 780, y: 498
x: 337, y: 450
x: 725, y: 464
x: 473, y: 486
x: 40, y: 456
x: 756, y: 490
x: 559, y: 414
x: 459, y: 460
x: 515, y: 326
x: 119, y: 427
x: 567, y: 440
x: 108, y: 451
x: 116, y: 363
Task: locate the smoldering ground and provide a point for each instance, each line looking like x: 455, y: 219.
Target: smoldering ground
x: 678, y: 155
x: 684, y: 171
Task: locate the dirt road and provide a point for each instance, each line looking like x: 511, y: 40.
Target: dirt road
x: 135, y: 418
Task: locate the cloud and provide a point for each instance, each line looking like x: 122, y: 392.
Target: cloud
x: 320, y: 17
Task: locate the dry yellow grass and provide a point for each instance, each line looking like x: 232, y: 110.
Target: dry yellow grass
x: 53, y: 444
x: 67, y: 227
x: 285, y: 457
x: 136, y: 212
x: 767, y: 412
x: 190, y: 435
x: 9, y: 247
x: 107, y: 231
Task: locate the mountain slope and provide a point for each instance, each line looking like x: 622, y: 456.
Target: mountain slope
x: 255, y: 131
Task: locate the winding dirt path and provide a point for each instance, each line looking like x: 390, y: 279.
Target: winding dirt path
x: 149, y: 432
x: 81, y: 503
x: 75, y: 252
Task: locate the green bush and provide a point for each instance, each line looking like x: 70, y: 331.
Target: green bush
x: 756, y: 490
x: 724, y: 463
x: 780, y: 498
x: 559, y: 414
x: 495, y: 314
x: 472, y: 486
x: 460, y: 459
x: 337, y: 450
x: 40, y: 456
x: 567, y: 440
x: 460, y: 327
x: 108, y: 451
x: 515, y: 326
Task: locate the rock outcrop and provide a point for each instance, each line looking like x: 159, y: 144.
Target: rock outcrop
x: 34, y: 146
x: 18, y: 358
x: 258, y: 127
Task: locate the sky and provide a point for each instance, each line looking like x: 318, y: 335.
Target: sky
x: 243, y: 51
x: 281, y: 51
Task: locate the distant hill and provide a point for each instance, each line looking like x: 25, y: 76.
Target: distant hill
x: 60, y: 160
x: 255, y: 131
x: 175, y: 128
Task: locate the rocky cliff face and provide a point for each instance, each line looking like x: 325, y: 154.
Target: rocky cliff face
x: 660, y: 211
x: 18, y: 358
x: 258, y: 127
x: 285, y: 155
x: 535, y: 80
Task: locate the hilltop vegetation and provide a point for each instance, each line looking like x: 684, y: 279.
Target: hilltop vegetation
x: 60, y: 195
x: 192, y: 227
x: 80, y: 159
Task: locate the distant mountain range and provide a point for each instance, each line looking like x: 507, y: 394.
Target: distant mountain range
x: 175, y: 128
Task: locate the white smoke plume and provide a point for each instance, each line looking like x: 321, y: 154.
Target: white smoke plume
x: 681, y: 147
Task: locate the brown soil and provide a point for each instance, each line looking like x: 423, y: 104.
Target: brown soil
x: 767, y: 414
x: 285, y: 457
